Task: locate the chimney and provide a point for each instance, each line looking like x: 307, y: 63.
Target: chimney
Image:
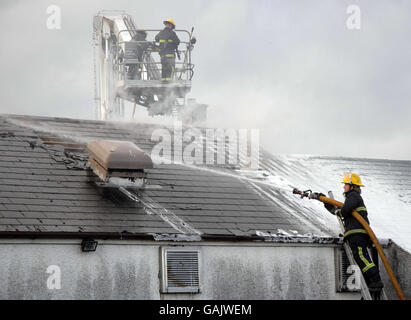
x: 123, y: 159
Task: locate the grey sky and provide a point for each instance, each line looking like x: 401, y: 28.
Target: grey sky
x: 290, y: 68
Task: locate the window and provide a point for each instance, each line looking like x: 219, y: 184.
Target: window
x: 348, y: 277
x: 179, y: 270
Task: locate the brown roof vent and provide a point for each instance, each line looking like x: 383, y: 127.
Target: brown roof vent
x: 111, y: 158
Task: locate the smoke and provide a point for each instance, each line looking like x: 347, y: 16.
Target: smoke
x: 312, y: 86
x: 42, y: 127
x: 290, y: 69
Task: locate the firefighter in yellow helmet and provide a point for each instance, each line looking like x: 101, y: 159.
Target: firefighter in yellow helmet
x: 169, y: 42
x: 357, y: 237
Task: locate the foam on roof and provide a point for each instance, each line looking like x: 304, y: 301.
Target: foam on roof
x: 44, y: 188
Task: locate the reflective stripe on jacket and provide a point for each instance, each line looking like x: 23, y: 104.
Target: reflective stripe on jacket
x: 352, y: 202
x: 168, y: 42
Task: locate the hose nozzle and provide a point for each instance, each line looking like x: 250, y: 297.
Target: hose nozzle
x: 296, y: 191
x: 303, y: 194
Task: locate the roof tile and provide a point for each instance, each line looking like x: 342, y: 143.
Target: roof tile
x: 40, y: 192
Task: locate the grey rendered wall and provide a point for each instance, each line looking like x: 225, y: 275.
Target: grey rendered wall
x: 112, y: 272
x: 130, y: 270
x: 400, y: 261
x: 268, y: 272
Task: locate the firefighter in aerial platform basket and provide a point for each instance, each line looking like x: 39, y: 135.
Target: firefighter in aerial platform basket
x: 357, y: 237
x: 168, y: 44
x: 135, y: 70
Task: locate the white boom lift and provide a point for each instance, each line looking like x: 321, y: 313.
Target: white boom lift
x: 127, y: 69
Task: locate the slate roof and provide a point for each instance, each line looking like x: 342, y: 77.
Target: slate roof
x: 44, y: 188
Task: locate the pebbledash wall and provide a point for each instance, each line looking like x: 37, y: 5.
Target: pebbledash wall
x: 130, y: 270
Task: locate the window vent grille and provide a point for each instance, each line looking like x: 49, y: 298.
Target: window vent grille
x: 180, y: 270
x: 344, y: 272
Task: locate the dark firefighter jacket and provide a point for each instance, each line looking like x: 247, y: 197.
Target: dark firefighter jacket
x: 352, y: 202
x: 141, y: 47
x: 168, y: 42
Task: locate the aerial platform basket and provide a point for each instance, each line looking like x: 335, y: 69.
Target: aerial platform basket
x: 129, y: 89
x: 128, y: 68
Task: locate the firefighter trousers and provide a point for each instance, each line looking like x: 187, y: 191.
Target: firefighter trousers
x: 359, y: 244
x: 168, y: 64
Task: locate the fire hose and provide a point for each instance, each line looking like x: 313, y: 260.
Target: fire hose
x: 309, y: 194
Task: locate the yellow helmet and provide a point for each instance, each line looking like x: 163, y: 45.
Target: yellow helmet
x: 352, y: 178
x: 171, y: 22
